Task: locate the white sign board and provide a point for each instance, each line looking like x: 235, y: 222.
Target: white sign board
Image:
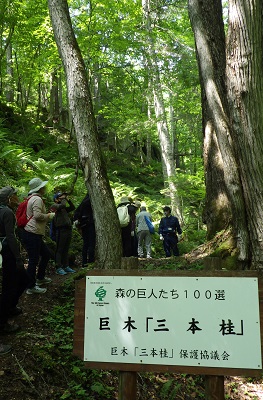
x: 184, y: 321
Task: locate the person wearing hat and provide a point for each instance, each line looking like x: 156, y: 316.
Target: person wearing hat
x: 63, y: 231
x: 14, y: 276
x: 170, y: 232
x: 34, y: 231
x: 127, y: 232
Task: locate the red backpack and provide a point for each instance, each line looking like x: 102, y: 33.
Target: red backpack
x: 21, y: 218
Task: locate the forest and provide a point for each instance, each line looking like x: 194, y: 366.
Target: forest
x: 158, y: 100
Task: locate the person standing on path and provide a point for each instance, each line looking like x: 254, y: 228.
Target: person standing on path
x: 170, y: 232
x: 84, y: 221
x: 33, y: 233
x: 128, y: 230
x: 134, y: 237
x: 63, y: 232
x: 144, y: 235
x: 14, y: 276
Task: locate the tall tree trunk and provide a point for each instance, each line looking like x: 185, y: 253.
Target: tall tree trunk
x: 245, y: 95
x: 160, y: 112
x: 232, y: 118
x: 173, y: 132
x: 148, y: 137
x: 96, y: 82
x: 53, y: 118
x: 106, y: 219
x: 217, y: 212
x: 10, y: 74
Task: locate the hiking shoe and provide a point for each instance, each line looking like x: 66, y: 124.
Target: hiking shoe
x: 43, y: 281
x: 4, y: 349
x: 8, y: 328
x: 69, y: 270
x: 36, y: 290
x: 60, y: 271
x: 15, y: 311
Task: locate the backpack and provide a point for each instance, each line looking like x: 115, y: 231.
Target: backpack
x: 123, y: 215
x: 21, y: 217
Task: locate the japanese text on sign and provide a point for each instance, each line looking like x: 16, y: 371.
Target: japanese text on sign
x: 211, y: 322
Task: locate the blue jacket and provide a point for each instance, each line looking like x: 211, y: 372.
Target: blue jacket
x: 169, y: 225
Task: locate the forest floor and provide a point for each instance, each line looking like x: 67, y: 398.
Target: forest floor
x: 22, y: 378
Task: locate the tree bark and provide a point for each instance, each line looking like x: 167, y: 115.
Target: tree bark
x: 148, y: 137
x: 245, y: 96
x: 106, y: 220
x: 10, y: 74
x: 53, y: 118
x: 174, y: 140
x: 225, y: 204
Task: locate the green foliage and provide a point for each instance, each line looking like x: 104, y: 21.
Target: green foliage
x: 112, y: 38
x: 20, y: 162
x: 170, y: 389
x: 128, y: 177
x: 191, y: 192
x: 114, y: 34
x: 172, y: 386
x: 55, y: 354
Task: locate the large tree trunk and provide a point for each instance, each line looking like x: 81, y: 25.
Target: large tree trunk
x: 106, y: 219
x: 245, y: 95
x: 233, y: 115
x: 224, y: 201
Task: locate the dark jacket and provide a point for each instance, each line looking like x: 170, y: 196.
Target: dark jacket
x: 84, y: 212
x: 7, y: 231
x: 62, y: 209
x: 169, y: 226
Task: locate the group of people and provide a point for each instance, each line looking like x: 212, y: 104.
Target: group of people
x: 136, y: 234
x: 32, y: 280
x: 15, y: 278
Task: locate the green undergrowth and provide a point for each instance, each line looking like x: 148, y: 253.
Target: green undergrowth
x: 55, y: 355
x: 30, y: 149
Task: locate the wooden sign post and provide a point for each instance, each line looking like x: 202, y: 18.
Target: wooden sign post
x: 214, y: 387
x: 128, y: 379
x: 205, y: 323
x: 127, y: 385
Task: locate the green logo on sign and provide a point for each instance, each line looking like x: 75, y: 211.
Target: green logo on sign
x: 100, y: 293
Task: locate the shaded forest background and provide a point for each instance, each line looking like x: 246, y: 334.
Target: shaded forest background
x: 37, y: 135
